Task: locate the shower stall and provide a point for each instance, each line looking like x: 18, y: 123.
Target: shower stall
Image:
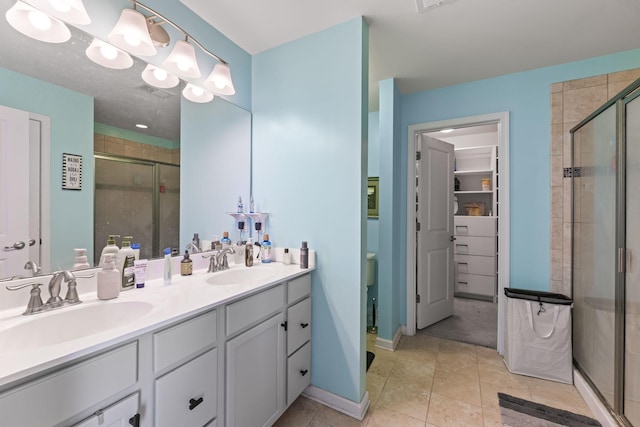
x: 606, y: 252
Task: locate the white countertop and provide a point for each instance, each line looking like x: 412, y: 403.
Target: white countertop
x: 185, y: 297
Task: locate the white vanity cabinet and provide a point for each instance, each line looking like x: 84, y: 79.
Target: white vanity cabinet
x: 298, y: 337
x: 475, y: 251
x: 123, y: 413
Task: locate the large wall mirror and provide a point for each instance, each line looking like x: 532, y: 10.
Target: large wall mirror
x: 81, y: 100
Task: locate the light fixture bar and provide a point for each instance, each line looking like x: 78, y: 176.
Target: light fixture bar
x: 188, y: 36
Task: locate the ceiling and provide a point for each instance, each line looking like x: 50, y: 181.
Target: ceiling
x: 460, y: 41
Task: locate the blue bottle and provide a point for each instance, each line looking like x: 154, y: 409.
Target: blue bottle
x: 266, y: 249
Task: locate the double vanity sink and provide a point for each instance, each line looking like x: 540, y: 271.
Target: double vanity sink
x: 231, y: 305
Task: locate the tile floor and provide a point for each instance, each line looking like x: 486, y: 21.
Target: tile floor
x: 432, y: 381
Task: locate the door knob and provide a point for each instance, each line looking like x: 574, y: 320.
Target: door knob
x: 16, y: 246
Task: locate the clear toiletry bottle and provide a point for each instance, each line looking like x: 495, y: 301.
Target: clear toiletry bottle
x: 251, y: 205
x: 136, y: 250
x: 248, y: 254
x: 81, y: 259
x: 240, y: 206
x: 238, y: 257
x: 304, y: 256
x: 167, y: 266
x: 108, y: 279
x: 286, y: 257
x: 186, y: 265
x: 266, y: 249
x: 226, y: 241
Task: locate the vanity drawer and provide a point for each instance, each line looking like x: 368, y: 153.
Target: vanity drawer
x: 180, y: 341
x: 298, y: 372
x: 475, y: 246
x: 57, y: 397
x: 298, y: 325
x: 188, y: 396
x: 249, y: 310
x: 121, y: 413
x: 299, y: 288
x: 475, y: 284
x: 475, y: 226
x: 475, y: 264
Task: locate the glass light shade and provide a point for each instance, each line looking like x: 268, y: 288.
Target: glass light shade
x: 36, y: 24
x: 108, y: 56
x: 158, y: 77
x: 219, y: 81
x: 71, y: 11
x: 182, y: 61
x: 130, y: 34
x: 196, y: 94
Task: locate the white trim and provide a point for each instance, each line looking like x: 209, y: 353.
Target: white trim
x: 502, y: 118
x: 45, y: 189
x: 593, y: 402
x: 390, y: 345
x: 339, y: 403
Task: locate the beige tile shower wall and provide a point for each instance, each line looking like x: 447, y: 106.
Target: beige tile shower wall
x: 571, y: 102
x: 123, y: 147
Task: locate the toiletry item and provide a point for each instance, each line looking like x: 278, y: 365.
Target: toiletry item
x: 140, y: 271
x: 248, y: 254
x: 111, y: 248
x: 186, y: 265
x: 126, y: 257
x: 286, y: 257
x: 226, y: 241
x: 216, y: 245
x: 81, y: 259
x: 238, y: 257
x: 251, y: 205
x: 304, y: 256
x: 136, y: 250
x: 109, y: 279
x: 266, y: 249
x: 240, y: 206
x: 167, y: 266
x: 196, y: 241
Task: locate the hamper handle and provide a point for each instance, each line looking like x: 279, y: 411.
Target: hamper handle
x: 556, y: 313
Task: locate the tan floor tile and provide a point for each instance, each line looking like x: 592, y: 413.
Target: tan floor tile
x: 383, y: 417
x: 488, y: 356
x: 457, y: 348
x: 460, y: 387
x: 457, y: 364
x: 300, y: 413
x: 557, y: 395
x: 375, y: 384
x: 491, y: 418
x: 338, y: 419
x: 489, y: 393
x: 318, y: 423
x: 444, y: 412
x: 406, y: 397
x: 381, y: 365
x: 413, y: 371
x: 500, y: 375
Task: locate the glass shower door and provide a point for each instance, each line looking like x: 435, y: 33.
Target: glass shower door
x: 632, y: 274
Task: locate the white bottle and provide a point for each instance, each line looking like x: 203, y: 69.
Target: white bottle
x: 111, y: 248
x: 126, y: 258
x: 167, y: 266
x: 81, y: 259
x: 109, y: 279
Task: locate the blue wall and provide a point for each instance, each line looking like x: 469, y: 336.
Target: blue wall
x: 309, y: 172
x: 526, y: 96
x: 71, y: 116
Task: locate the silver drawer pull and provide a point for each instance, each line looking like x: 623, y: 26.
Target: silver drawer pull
x: 463, y: 283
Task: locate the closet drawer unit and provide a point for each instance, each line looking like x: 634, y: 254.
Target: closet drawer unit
x: 298, y: 325
x: 476, y: 284
x: 180, y: 341
x: 299, y: 288
x: 254, y: 308
x: 471, y: 245
x: 188, y: 396
x: 475, y: 226
x: 298, y: 372
x: 475, y: 264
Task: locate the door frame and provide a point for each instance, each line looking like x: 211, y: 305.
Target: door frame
x: 45, y: 189
x: 502, y: 120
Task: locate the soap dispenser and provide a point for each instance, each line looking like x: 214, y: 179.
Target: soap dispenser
x: 111, y: 248
x: 81, y: 259
x: 248, y: 254
x: 108, y: 279
x: 126, y: 258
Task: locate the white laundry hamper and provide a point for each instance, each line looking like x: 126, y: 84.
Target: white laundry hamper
x: 538, y: 335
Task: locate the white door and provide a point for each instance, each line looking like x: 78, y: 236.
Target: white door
x: 434, y: 255
x: 14, y: 191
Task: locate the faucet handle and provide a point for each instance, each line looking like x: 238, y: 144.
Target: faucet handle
x: 72, y: 291
x: 35, y: 300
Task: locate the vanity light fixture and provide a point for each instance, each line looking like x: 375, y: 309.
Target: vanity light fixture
x: 219, y: 81
x: 159, y: 78
x: 141, y: 126
x: 182, y: 60
x: 71, y: 11
x: 36, y: 24
x: 447, y: 130
x: 102, y: 53
x: 131, y: 34
x: 196, y: 94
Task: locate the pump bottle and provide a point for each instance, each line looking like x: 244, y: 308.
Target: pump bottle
x: 108, y: 279
x: 111, y: 248
x: 126, y: 258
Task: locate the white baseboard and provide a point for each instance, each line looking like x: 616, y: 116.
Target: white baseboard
x: 339, y: 403
x: 593, y: 402
x: 390, y: 345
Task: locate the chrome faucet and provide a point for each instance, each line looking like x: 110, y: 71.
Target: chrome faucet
x: 192, y: 248
x: 36, y: 270
x: 218, y: 260
x: 55, y: 284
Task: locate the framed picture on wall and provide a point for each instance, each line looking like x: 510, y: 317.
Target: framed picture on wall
x: 373, y: 190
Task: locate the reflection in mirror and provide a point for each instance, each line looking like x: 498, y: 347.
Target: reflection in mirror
x: 115, y: 101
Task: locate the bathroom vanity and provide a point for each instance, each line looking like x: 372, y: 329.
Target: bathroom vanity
x: 219, y: 349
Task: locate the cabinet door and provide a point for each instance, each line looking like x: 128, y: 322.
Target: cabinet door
x: 256, y: 364
x: 123, y: 413
x: 298, y: 325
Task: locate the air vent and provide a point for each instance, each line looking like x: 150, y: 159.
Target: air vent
x: 160, y: 93
x: 427, y: 5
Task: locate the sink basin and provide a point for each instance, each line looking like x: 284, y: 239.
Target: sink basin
x: 68, y: 324
x: 242, y: 275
